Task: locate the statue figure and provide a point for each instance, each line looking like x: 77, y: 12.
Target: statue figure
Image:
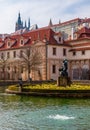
x: 63, y: 70
x: 63, y: 79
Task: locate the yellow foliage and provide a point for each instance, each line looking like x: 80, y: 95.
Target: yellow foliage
x: 51, y: 87
x: 13, y: 88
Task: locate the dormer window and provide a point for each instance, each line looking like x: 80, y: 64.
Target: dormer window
x: 22, y: 42
x: 8, y: 44
x: 59, y: 39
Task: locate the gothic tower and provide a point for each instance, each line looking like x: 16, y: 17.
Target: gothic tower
x: 19, y: 23
x: 28, y: 23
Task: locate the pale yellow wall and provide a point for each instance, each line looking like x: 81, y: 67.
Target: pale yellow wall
x: 79, y: 55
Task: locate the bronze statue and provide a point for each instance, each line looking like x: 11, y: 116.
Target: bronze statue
x: 63, y: 70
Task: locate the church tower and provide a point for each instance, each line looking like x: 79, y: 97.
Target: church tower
x: 28, y: 23
x: 19, y: 23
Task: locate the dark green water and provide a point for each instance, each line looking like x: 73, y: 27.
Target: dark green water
x: 41, y: 113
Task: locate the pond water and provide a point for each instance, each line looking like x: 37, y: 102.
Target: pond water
x: 43, y: 113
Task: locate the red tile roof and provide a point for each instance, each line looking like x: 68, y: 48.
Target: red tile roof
x: 39, y: 34
x: 83, y: 32
x: 68, y: 22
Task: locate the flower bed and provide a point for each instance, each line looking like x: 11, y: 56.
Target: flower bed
x: 49, y: 87
x: 75, y: 90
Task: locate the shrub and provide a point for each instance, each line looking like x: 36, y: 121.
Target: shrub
x: 13, y: 88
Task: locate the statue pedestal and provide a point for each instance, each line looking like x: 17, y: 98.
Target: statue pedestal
x: 63, y: 81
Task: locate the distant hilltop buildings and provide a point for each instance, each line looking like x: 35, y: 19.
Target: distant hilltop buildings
x: 55, y: 42
x: 22, y: 27
x: 67, y: 29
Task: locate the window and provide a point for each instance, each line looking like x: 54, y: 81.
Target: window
x: 14, y: 54
x: 54, y: 51
x: 8, y: 44
x: 59, y: 39
x: 64, y: 52
x: 53, y: 69
x: 83, y: 52
x: 74, y: 53
x: 2, y: 55
x: 22, y: 42
x: 8, y: 54
x: 21, y: 53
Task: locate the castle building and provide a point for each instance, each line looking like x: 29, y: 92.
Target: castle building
x: 54, y: 43
x: 19, y: 24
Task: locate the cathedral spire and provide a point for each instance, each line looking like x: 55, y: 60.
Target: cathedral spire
x: 19, y: 23
x: 59, y: 21
x: 28, y: 23
x: 19, y: 19
x: 25, y: 25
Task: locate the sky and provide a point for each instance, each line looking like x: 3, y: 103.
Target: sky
x: 40, y: 12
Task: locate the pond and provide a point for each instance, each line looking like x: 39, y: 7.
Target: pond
x: 43, y: 113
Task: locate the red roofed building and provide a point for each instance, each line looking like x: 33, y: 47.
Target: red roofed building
x: 69, y: 40
x: 12, y: 45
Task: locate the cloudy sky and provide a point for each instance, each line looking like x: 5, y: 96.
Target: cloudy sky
x: 40, y: 12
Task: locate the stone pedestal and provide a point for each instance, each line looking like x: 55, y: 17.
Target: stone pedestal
x: 63, y: 81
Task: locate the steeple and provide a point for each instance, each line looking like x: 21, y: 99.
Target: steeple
x: 25, y: 25
x: 19, y: 19
x: 28, y: 23
x: 59, y: 21
x: 19, y: 23
x: 50, y: 23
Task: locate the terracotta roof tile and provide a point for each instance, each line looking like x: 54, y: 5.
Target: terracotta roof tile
x: 39, y: 34
x: 83, y: 32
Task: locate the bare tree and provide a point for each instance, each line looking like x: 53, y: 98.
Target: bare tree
x: 30, y: 59
x: 3, y: 64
